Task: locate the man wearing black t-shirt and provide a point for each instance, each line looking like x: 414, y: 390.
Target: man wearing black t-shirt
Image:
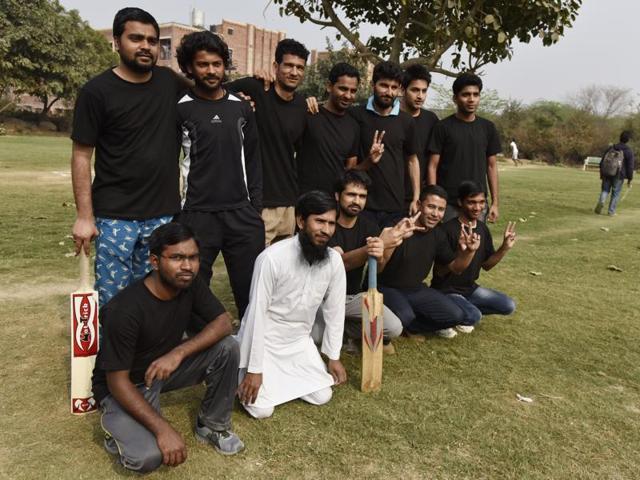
x: 356, y: 238
x: 415, y: 83
x: 143, y: 354
x: 281, y: 117
x: 464, y: 146
x: 221, y: 169
x: 128, y: 115
x: 382, y: 120
x: 473, y: 299
x: 332, y: 138
x: 419, y: 307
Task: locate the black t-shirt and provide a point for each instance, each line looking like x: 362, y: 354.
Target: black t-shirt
x: 133, y: 129
x: 281, y: 125
x: 327, y: 143
x: 387, y: 190
x: 349, y: 239
x: 424, y: 124
x: 138, y: 328
x: 221, y: 167
x: 411, y: 262
x: 465, y: 283
x: 463, y: 148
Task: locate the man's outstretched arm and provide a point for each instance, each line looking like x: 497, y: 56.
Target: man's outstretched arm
x: 84, y: 228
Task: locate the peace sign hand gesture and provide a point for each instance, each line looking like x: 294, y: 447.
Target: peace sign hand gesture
x: 509, y: 235
x: 377, y: 147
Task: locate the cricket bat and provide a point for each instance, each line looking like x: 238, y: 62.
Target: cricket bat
x: 372, y: 333
x: 84, y: 341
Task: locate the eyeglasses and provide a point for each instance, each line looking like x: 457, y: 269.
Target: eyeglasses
x: 179, y: 258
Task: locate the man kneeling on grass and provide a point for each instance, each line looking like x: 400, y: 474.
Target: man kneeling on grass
x: 143, y: 354
x: 473, y: 299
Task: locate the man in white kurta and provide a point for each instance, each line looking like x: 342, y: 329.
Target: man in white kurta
x: 279, y: 360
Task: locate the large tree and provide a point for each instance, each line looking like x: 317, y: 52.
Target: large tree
x: 472, y: 33
x: 47, y: 51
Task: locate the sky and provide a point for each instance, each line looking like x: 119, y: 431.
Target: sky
x: 599, y: 49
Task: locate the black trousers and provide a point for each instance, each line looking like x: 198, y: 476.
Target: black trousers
x: 239, y: 235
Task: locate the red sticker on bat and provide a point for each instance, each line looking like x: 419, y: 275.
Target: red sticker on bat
x: 85, y: 325
x: 83, y: 405
x: 372, y: 331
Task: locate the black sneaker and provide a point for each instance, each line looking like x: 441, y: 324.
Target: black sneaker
x: 225, y: 442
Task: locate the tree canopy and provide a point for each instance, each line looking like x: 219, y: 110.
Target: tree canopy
x: 472, y: 33
x: 47, y: 51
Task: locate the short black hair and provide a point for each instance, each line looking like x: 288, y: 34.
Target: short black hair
x: 132, y: 14
x: 625, y: 136
x: 387, y: 70
x: 342, y: 69
x: 291, y: 47
x: 465, y: 80
x: 415, y: 72
x: 355, y: 177
x: 197, y: 41
x: 433, y: 190
x: 315, y: 202
x: 469, y: 188
x: 169, y: 234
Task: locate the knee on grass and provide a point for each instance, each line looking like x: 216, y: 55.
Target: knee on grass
x: 145, y: 463
x: 320, y: 397
x: 258, y: 412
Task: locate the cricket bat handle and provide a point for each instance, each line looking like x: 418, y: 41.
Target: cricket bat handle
x: 84, y: 270
x: 372, y: 267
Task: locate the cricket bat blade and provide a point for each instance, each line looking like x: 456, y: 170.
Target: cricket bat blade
x: 372, y: 333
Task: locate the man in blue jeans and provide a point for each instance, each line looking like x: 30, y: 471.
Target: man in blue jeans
x: 473, y: 299
x: 614, y: 183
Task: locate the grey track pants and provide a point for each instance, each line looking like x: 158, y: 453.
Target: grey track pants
x: 217, y: 367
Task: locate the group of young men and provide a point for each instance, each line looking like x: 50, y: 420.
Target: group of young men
x: 386, y: 180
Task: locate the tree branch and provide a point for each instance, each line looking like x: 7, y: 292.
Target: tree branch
x: 399, y: 31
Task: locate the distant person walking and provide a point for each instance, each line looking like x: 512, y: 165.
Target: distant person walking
x: 616, y: 165
x: 514, y: 152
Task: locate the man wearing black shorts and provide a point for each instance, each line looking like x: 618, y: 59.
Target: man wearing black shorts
x: 143, y: 354
x: 281, y: 116
x: 464, y: 146
x: 221, y: 169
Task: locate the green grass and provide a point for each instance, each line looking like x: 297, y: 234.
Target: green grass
x: 447, y: 409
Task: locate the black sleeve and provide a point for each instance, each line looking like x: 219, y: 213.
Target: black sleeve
x: 438, y: 136
x: 493, y: 145
x: 247, y: 85
x: 410, y: 146
x: 252, y: 158
x: 444, y: 253
x: 87, y: 118
x: 355, y: 147
x: 205, y: 304
x: 119, y: 338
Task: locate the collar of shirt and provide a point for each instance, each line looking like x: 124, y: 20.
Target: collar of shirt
x: 395, y: 111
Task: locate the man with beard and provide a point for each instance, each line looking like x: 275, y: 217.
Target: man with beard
x: 144, y: 353
x: 281, y: 118
x: 473, y: 299
x: 128, y: 115
x: 415, y: 83
x: 382, y: 120
x: 419, y: 307
x: 292, y: 279
x: 464, y: 146
x: 221, y: 169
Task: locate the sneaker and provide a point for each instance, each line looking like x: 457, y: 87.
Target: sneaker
x: 612, y: 214
x: 446, y: 333
x: 110, y: 445
x: 388, y: 349
x: 350, y: 347
x: 464, y: 328
x: 599, y: 208
x: 225, y: 442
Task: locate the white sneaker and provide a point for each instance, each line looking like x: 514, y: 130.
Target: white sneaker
x: 446, y: 333
x: 464, y: 328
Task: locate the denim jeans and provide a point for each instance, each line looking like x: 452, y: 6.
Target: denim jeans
x: 483, y: 301
x: 613, y: 185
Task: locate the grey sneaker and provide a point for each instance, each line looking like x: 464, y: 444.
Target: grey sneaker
x: 599, y: 207
x: 225, y: 442
x: 446, y: 333
x: 464, y: 328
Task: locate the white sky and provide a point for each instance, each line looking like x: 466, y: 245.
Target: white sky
x: 599, y: 49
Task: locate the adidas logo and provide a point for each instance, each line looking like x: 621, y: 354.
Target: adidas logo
x: 216, y: 119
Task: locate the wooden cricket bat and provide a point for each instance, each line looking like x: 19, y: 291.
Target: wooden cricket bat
x: 84, y: 341
x: 372, y: 333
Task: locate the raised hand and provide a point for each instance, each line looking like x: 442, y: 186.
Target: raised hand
x: 407, y: 226
x: 509, y: 235
x: 468, y: 239
x: 313, y: 106
x: 377, y: 147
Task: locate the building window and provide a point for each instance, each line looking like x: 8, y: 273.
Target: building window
x: 229, y: 31
x: 165, y: 49
x: 231, y: 65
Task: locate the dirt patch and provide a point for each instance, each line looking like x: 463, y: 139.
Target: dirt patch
x: 29, y: 291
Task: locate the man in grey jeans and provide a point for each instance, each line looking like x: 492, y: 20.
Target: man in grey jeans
x: 144, y: 353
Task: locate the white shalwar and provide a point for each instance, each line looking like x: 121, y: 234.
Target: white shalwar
x: 275, y: 335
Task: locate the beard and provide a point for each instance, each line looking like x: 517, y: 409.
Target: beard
x: 383, y: 102
x: 135, y: 66
x: 312, y: 253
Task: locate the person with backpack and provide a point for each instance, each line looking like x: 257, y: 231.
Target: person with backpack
x: 616, y: 165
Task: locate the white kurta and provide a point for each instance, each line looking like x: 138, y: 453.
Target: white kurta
x: 275, y: 335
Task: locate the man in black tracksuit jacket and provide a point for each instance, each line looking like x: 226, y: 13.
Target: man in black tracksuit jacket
x: 221, y: 169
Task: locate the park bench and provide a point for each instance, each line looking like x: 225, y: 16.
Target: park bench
x: 591, y: 162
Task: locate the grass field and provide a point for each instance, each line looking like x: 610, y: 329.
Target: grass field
x: 448, y: 408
